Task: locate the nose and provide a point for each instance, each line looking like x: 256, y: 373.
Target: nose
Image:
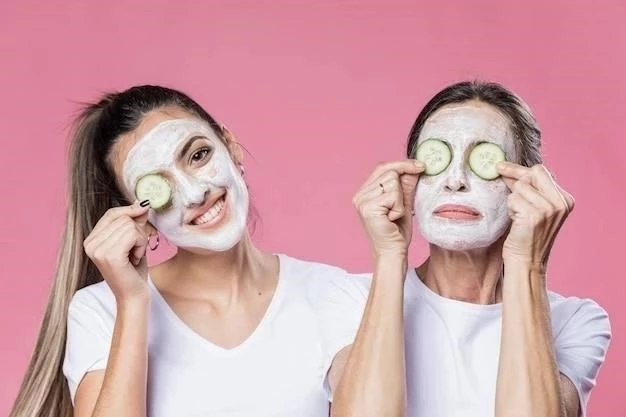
x: 192, y: 192
x: 456, y: 180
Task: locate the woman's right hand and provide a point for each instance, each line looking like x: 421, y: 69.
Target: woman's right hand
x: 117, y: 246
x: 385, y: 204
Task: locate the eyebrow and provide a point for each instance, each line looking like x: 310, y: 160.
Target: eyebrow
x: 188, y: 145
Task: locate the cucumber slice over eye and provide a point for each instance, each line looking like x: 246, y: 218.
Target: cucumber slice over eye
x: 435, y: 154
x: 483, y: 160
x: 156, y: 189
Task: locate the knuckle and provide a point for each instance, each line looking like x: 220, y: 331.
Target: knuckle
x: 380, y: 166
x: 510, y: 202
x: 98, y: 254
x: 538, y: 168
x: 572, y: 202
x: 516, y: 187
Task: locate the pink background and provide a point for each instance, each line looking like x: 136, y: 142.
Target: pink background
x: 318, y: 94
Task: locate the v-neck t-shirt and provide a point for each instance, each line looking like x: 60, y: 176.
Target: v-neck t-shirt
x: 277, y: 371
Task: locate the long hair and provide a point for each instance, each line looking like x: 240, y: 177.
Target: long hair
x: 92, y: 191
x: 523, y: 124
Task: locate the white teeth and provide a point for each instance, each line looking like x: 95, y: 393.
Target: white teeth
x: 212, y: 213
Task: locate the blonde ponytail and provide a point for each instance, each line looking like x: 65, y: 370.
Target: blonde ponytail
x: 44, y: 391
x: 93, y: 190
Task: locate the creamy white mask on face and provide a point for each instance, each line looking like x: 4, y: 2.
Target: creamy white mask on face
x: 463, y: 126
x: 193, y: 182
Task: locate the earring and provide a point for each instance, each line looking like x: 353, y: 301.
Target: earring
x: 152, y: 248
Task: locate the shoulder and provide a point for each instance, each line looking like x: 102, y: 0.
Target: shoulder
x: 573, y: 311
x: 319, y: 279
x: 303, y: 269
x: 93, y: 300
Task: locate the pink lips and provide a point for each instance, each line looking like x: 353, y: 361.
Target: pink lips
x: 456, y: 212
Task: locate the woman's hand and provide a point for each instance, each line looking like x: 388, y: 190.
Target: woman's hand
x: 117, y: 246
x: 538, y: 207
x: 385, y: 203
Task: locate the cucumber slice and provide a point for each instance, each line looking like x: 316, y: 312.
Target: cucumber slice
x: 435, y: 154
x: 483, y: 160
x: 156, y: 189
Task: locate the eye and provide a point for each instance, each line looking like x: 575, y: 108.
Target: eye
x: 200, y: 155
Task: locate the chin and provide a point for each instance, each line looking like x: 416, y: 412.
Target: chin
x: 459, y: 245
x: 463, y: 237
x: 459, y: 241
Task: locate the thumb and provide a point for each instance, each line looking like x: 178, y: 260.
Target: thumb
x: 142, y: 219
x: 409, y: 187
x: 140, y: 215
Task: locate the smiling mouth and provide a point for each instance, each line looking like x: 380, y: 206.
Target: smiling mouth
x: 212, y: 215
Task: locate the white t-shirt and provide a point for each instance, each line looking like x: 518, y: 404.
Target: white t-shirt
x: 452, y: 347
x: 278, y: 371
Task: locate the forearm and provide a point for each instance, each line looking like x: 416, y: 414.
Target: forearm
x: 373, y: 381
x: 528, y: 382
x: 123, y: 392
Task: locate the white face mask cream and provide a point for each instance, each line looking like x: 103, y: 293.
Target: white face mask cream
x: 209, y: 206
x: 456, y: 209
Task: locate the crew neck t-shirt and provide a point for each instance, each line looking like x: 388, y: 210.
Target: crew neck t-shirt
x: 452, y: 347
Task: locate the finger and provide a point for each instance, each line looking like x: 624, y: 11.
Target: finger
x: 142, y: 221
x: 406, y: 166
x: 391, y: 184
x: 398, y: 209
x: 544, y: 181
x: 100, y: 235
x: 139, y: 250
x: 387, y: 181
x: 134, y: 210
x: 388, y: 204
x: 519, y: 208
x: 534, y: 197
x: 124, y: 241
x: 509, y: 182
x: 540, y: 178
x: 511, y: 170
x: 383, y: 178
x: 112, y: 229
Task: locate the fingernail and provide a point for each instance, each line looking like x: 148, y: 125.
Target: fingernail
x: 144, y: 203
x: 419, y: 163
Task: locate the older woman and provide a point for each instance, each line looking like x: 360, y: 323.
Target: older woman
x: 473, y: 328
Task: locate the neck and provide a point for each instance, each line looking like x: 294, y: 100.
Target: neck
x: 219, y: 274
x: 472, y: 276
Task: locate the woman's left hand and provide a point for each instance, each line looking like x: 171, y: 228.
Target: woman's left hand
x: 538, y: 207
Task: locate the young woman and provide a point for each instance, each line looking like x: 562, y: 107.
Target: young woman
x: 220, y: 329
x: 472, y: 331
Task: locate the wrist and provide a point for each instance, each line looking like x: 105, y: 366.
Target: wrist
x: 135, y: 302
x: 390, y: 254
x: 522, y: 276
x: 524, y: 264
x: 391, y: 264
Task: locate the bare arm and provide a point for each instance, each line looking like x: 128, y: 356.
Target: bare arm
x: 120, y: 390
x: 529, y: 383
x: 117, y: 246
x: 372, y: 381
